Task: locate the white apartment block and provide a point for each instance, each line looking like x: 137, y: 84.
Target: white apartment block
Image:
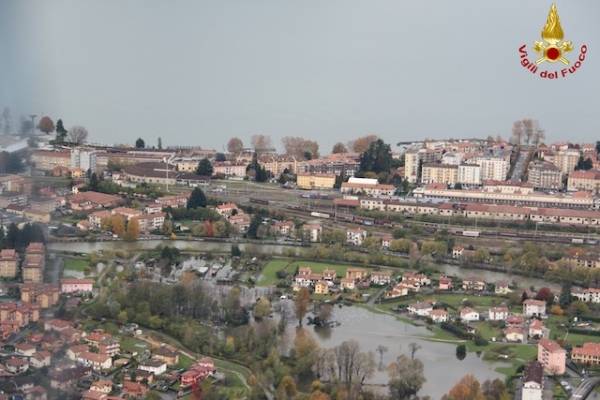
x: 493, y: 168
x: 84, y: 159
x: 469, y: 174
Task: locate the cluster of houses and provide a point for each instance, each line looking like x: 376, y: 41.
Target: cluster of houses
x: 71, y: 354
x: 327, y: 282
x: 238, y: 219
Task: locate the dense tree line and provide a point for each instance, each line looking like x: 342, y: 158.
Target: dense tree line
x: 16, y: 238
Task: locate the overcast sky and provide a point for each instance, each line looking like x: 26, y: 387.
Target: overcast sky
x: 199, y: 72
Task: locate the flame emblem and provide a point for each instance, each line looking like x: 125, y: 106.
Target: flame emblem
x: 552, y: 48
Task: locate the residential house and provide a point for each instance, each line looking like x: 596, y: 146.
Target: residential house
x: 381, y: 278
x: 102, y: 386
x: 17, y: 365
x: 439, y: 315
x: 498, y: 313
x: 589, y: 295
x: 552, y: 357
x: 312, y: 231
x: 514, y: 334
x: 537, y: 329
x: 347, y: 284
x: 473, y: 284
x: 420, y: 309
x: 25, y: 349
x: 357, y: 274
x: 41, y: 359
x: 534, y: 308
x: 227, y: 209
x: 458, y: 252
x: 502, y: 288
x: 445, y: 283
x: 284, y: 228
x: 154, y: 365
x: 321, y: 287
x: 198, y: 371
x: 96, y: 361
x: 399, y: 290
x: 71, y: 285
x: 467, y: 314
x: 355, y: 236
x: 533, y: 381
x: 134, y: 390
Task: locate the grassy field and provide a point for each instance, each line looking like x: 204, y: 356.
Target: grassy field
x: 132, y: 345
x: 77, y: 264
x: 269, y: 272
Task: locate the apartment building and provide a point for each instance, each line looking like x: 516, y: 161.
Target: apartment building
x: 413, y: 159
x: 84, y: 159
x: 544, y: 175
x: 566, y: 160
x: 469, y: 174
x: 8, y: 263
x: 47, y: 160
x: 439, y: 173
x: 552, y: 357
x: 493, y: 168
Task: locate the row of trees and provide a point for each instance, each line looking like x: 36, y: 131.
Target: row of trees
x: 16, y: 238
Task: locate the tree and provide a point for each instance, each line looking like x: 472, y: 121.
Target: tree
x: 94, y: 182
x: 205, y: 168
x: 461, y: 351
x: 235, y: 146
x: 565, y: 294
x: 197, y: 199
x: 140, y: 144
x: 584, y: 164
x: 287, y: 388
x: 468, y: 388
x: 235, y: 251
x: 262, y: 308
x: 77, y: 134
x: 377, y: 158
x: 578, y: 309
x: 495, y: 390
x: 133, y: 230
x: 252, y: 231
x: 61, y: 132
x: 261, y: 142
x: 361, y: 144
x: 545, y: 294
x: 301, y: 303
x: 339, y: 147
x: 406, y: 377
x: 306, y: 351
x: 381, y: 349
x: 159, y: 144
x: 46, y: 125
x: 256, y: 170
x: 414, y: 347
x: 117, y: 223
x: 220, y: 157
x: 300, y: 148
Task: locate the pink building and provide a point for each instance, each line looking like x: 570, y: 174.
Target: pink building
x: 76, y: 285
x: 552, y: 357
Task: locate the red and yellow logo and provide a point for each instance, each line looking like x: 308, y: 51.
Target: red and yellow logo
x: 552, y: 49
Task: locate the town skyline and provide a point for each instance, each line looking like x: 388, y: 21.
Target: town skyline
x: 242, y: 73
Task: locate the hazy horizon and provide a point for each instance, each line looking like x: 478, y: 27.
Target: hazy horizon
x: 200, y: 72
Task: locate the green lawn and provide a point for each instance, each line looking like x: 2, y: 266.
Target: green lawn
x: 131, y: 344
x: 184, y: 361
x: 77, y: 264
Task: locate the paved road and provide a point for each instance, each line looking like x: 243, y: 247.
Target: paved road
x: 585, y: 388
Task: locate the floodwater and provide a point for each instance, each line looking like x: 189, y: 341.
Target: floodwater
x: 441, y: 367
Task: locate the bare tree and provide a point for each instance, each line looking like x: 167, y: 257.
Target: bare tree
x: 361, y: 144
x: 339, y: 147
x: 517, y: 132
x: 77, y: 134
x: 381, y: 349
x: 414, y: 347
x: 406, y: 377
x: 235, y: 145
x: 300, y: 148
x: 261, y: 142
